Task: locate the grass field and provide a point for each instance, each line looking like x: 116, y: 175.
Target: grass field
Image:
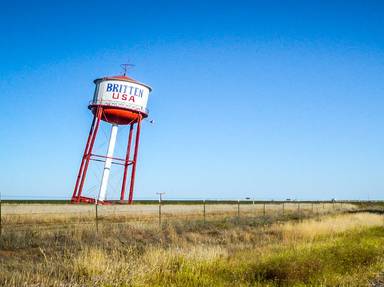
x: 327, y: 249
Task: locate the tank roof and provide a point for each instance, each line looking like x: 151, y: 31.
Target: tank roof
x: 122, y: 78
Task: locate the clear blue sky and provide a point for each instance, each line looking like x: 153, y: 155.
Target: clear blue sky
x: 267, y: 99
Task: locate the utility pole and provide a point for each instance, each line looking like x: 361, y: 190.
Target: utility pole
x: 248, y: 199
x: 160, y: 199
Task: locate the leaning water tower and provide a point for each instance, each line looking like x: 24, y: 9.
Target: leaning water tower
x: 118, y: 100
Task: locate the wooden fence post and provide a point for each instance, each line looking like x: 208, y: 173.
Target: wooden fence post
x: 238, y: 209
x: 97, y: 217
x: 298, y: 210
x: 1, y: 226
x: 204, y: 209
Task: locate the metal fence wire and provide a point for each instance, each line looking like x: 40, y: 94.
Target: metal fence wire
x: 21, y: 217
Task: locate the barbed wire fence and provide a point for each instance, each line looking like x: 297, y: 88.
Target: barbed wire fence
x: 22, y: 217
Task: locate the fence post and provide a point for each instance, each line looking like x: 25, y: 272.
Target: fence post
x: 238, y: 208
x: 204, y: 209
x: 264, y: 209
x: 283, y: 209
x: 0, y: 217
x: 312, y: 207
x: 97, y: 217
x: 298, y: 210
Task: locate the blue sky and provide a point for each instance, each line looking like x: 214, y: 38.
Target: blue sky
x: 262, y: 99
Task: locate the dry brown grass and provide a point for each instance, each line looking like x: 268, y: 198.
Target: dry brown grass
x: 23, y: 214
x: 331, y: 225
x: 225, y: 252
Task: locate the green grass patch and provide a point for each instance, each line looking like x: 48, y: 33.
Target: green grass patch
x: 351, y: 259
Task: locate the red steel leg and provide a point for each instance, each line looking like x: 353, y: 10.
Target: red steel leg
x: 134, y: 160
x: 83, y: 160
x: 88, y: 155
x: 126, y: 162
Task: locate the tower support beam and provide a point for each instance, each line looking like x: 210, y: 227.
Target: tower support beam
x: 108, y: 159
x: 76, y: 197
x: 126, y: 164
x: 108, y: 163
x: 137, y: 140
